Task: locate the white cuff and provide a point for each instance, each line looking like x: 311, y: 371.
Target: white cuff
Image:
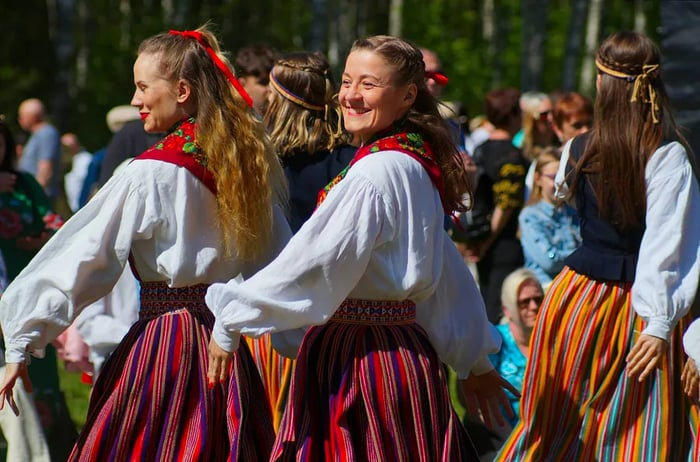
x: 225, y: 339
x: 691, y: 341
x: 658, y: 327
x: 480, y: 367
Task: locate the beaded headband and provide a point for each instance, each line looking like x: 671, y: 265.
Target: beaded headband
x: 640, y: 81
x: 286, y: 94
x: 219, y: 63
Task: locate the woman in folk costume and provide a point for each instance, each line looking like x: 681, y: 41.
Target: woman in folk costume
x: 303, y: 120
x: 376, y: 275
x: 196, y: 208
x: 603, y: 378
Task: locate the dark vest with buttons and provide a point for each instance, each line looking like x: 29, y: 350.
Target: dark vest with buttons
x: 606, y: 253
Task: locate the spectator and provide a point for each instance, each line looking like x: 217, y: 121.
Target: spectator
x: 253, y: 65
x: 498, y: 199
x: 536, y: 129
x: 572, y: 115
x: 549, y: 229
x: 41, y: 156
x: 80, y: 162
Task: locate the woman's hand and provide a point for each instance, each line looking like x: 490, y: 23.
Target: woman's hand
x: 690, y: 378
x: 219, y: 362
x: 485, y: 393
x: 646, y: 355
x: 7, y: 181
x: 12, y: 372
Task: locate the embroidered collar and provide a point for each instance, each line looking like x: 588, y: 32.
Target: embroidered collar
x: 182, y: 138
x: 411, y: 144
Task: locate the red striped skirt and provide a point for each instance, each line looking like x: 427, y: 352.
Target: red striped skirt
x: 578, y: 403
x: 369, y: 386
x: 151, y: 401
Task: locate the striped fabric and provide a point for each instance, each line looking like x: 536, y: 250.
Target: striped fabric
x: 579, y: 404
x: 370, y: 392
x: 276, y: 372
x: 151, y: 402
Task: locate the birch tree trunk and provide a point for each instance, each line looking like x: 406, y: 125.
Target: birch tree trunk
x: 592, y: 33
x: 640, y: 17
x: 534, y: 16
x: 395, y: 18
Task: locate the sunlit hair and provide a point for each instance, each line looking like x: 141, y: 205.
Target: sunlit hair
x: 572, y: 105
x: 294, y: 128
x: 624, y: 134
x: 530, y: 105
x: 248, y: 175
x: 10, y: 158
x: 423, y: 117
x: 545, y: 156
x: 511, y: 287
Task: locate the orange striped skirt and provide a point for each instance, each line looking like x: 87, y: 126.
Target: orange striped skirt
x: 578, y: 403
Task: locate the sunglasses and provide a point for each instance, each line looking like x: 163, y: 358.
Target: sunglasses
x: 525, y: 302
x: 439, y: 77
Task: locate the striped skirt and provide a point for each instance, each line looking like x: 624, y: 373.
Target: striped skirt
x: 276, y: 373
x: 368, y: 386
x: 151, y: 401
x: 578, y: 403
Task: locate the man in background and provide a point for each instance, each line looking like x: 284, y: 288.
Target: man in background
x: 253, y: 65
x: 41, y: 156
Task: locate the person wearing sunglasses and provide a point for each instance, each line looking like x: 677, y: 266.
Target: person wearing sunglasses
x: 549, y: 229
x: 572, y: 115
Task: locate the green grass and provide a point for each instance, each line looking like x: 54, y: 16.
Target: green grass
x: 77, y: 395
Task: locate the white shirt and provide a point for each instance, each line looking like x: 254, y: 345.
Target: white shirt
x: 668, y: 266
x: 73, y: 180
x: 378, y: 236
x: 158, y: 211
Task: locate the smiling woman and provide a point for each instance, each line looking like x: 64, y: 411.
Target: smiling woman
x: 388, y: 296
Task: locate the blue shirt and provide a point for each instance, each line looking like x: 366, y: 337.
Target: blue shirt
x: 43, y: 144
x: 548, y: 235
x: 510, y: 363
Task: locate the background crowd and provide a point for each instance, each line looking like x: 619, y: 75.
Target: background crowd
x: 515, y: 238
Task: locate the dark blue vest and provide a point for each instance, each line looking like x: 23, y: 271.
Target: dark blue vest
x: 606, y: 253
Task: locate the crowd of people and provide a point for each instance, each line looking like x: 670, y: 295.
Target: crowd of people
x: 269, y: 263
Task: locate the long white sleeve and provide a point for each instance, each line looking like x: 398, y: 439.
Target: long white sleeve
x: 373, y: 238
x: 668, y: 268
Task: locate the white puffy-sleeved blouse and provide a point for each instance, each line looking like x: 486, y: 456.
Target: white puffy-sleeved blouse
x: 668, y: 267
x: 161, y: 213
x: 378, y: 236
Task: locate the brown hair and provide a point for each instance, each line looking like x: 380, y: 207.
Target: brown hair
x: 544, y: 157
x: 255, y: 61
x: 501, y: 106
x: 423, y: 117
x: 248, y: 175
x: 570, y: 105
x: 292, y: 127
x: 625, y: 134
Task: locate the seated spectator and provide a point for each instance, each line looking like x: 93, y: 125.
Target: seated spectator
x: 521, y: 297
x: 549, y: 229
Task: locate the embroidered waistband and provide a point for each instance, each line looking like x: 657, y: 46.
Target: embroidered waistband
x: 157, y: 299
x: 358, y: 311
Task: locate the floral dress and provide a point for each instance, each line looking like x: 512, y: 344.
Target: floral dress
x: 27, y: 212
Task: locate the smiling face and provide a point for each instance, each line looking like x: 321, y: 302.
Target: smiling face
x: 370, y: 99
x: 545, y: 180
x: 158, y: 99
x: 529, y: 300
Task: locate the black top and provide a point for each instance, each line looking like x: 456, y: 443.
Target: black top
x: 307, y: 175
x: 129, y: 141
x: 501, y: 170
x: 606, y: 253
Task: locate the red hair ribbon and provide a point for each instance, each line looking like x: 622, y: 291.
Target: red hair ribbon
x: 219, y: 63
x: 439, y: 77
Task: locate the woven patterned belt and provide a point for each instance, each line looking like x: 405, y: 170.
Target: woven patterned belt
x: 157, y: 299
x: 358, y: 311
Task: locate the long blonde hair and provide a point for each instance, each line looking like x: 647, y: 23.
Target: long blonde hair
x: 248, y: 175
x: 310, y: 123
